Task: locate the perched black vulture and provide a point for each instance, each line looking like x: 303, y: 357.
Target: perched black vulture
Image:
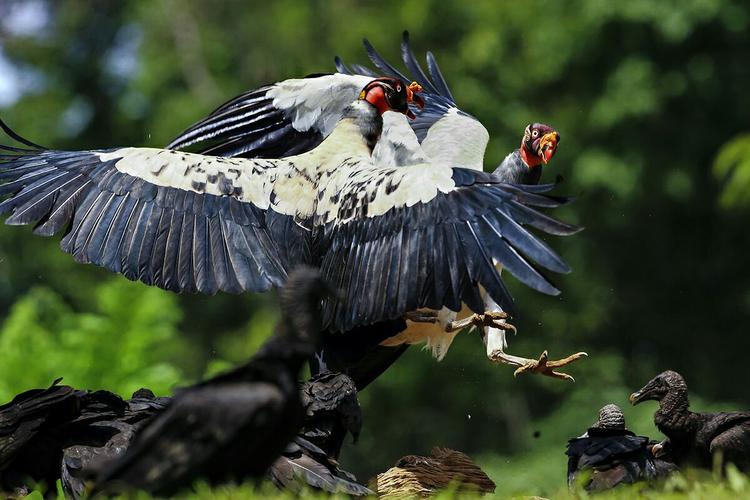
x: 612, y: 455
x: 331, y: 411
x: 63, y: 433
x: 695, y: 438
x: 233, y: 426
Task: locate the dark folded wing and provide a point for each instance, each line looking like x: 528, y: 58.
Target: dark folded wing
x: 447, y: 134
x: 274, y: 121
x: 304, y: 463
x: 600, y: 450
x: 174, y: 220
x: 397, y: 239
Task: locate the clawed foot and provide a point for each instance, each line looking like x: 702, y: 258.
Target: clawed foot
x: 542, y: 366
x: 545, y: 367
x: 494, y: 319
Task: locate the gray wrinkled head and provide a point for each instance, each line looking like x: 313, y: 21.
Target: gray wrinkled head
x: 610, y: 417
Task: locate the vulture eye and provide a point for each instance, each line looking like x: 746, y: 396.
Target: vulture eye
x: 535, y: 134
x: 398, y: 88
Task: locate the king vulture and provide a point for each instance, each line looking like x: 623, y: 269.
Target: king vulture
x: 394, y: 239
x: 295, y: 115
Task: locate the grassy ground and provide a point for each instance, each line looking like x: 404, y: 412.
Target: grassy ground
x: 692, y: 485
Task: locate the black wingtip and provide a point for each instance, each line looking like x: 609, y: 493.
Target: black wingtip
x: 341, y: 67
x: 437, y: 76
x: 17, y: 137
x: 381, y: 63
x: 407, y: 55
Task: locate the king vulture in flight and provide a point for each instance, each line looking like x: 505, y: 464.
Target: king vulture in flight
x: 292, y: 116
x: 395, y: 239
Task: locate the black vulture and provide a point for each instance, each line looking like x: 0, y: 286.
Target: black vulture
x: 331, y: 411
x: 608, y: 455
x: 695, y: 439
x: 232, y: 426
x: 64, y: 433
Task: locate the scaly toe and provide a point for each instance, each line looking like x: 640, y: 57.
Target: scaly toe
x: 531, y: 366
x: 496, y: 315
x: 501, y: 325
x: 566, y: 361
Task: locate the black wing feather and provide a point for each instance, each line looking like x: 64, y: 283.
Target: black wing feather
x: 407, y: 55
x: 178, y: 240
x: 437, y: 77
x: 248, y: 125
x: 380, y: 63
x: 439, y: 253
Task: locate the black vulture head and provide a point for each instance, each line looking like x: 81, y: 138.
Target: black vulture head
x: 391, y: 94
x: 539, y: 144
x: 301, y: 300
x: 666, y: 383
x: 610, y: 417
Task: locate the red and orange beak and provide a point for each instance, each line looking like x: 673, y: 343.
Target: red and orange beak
x: 411, y: 98
x: 548, y: 146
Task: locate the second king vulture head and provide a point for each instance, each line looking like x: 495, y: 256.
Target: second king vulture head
x: 539, y: 144
x: 391, y: 94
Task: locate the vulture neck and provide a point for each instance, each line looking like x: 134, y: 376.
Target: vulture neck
x: 357, y: 132
x: 673, y: 417
x: 514, y: 170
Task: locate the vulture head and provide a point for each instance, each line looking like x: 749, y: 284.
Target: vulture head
x: 610, y: 417
x: 391, y: 94
x: 300, y: 300
x: 539, y: 144
x: 666, y: 383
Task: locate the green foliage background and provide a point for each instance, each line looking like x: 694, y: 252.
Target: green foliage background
x: 650, y: 98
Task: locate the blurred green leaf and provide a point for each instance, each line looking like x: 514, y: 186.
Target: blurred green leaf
x: 732, y: 168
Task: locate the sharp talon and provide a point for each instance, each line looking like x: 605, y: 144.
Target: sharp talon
x: 563, y: 376
x: 504, y: 326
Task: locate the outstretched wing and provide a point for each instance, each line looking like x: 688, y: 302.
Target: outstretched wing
x: 183, y: 222
x: 274, y: 121
x: 294, y: 116
x: 398, y: 239
x: 447, y: 134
